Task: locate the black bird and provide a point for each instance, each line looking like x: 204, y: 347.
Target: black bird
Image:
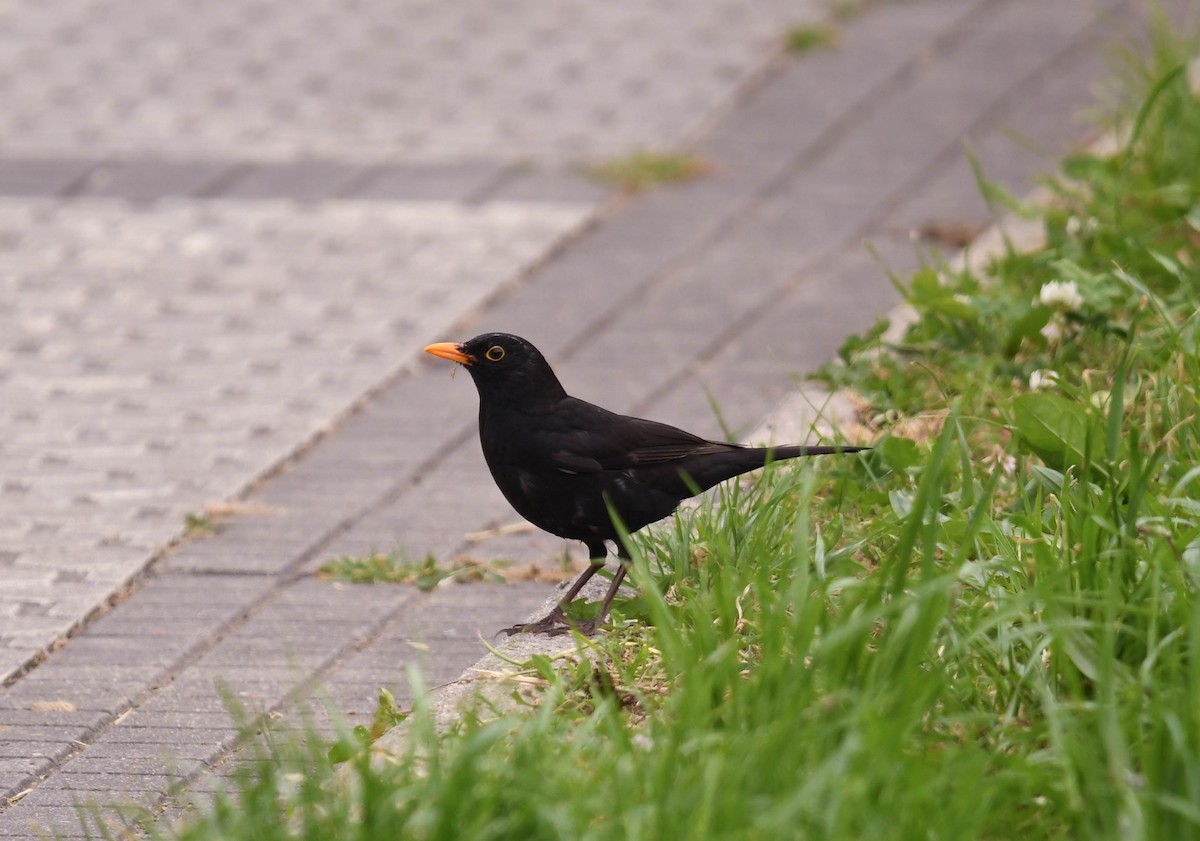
x: 563, y: 462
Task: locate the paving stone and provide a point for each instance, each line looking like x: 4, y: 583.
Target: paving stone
x: 53, y: 737
x: 162, y: 627
x: 178, y: 758
x: 26, y: 750
x: 134, y: 730
x: 51, y: 821
x: 108, y: 655
x: 111, y: 786
x: 128, y: 764
x: 18, y: 773
x: 278, y: 679
x: 198, y: 703
x: 159, y: 711
x: 108, y: 694
x: 234, y: 556
x: 13, y: 721
x: 23, y: 765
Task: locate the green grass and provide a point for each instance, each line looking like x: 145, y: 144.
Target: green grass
x: 396, y: 567
x: 986, y: 628
x: 201, y: 525
x: 805, y: 38
x: 643, y: 170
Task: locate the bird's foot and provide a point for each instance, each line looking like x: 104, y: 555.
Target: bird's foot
x: 554, y: 624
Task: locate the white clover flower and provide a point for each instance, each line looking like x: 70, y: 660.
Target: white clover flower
x: 1053, y: 331
x: 1077, y: 228
x: 641, y: 740
x: 1061, y: 295
x: 1042, y: 378
x: 997, y: 459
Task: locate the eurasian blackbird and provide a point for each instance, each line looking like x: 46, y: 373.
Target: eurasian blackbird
x: 569, y: 466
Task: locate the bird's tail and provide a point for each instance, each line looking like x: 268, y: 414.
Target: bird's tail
x: 702, y: 473
x: 798, y: 451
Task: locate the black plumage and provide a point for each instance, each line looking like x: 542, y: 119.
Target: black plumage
x: 563, y: 462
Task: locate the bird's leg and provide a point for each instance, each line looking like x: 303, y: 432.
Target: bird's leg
x: 556, y: 621
x: 588, y: 627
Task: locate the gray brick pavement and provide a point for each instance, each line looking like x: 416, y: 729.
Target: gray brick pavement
x: 153, y: 362
x: 379, y: 81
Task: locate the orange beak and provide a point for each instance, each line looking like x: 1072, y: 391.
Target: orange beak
x: 451, y: 351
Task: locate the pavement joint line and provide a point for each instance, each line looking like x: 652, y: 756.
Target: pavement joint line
x: 359, y: 181
x: 353, y: 179
x: 234, y: 172
x: 76, y: 185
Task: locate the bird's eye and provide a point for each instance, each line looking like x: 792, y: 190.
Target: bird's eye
x: 495, y: 353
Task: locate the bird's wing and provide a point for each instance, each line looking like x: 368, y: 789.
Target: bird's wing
x: 593, y: 439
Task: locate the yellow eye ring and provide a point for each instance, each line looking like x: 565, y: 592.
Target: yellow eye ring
x: 495, y: 353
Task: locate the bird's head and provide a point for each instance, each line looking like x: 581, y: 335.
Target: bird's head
x: 504, y: 367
